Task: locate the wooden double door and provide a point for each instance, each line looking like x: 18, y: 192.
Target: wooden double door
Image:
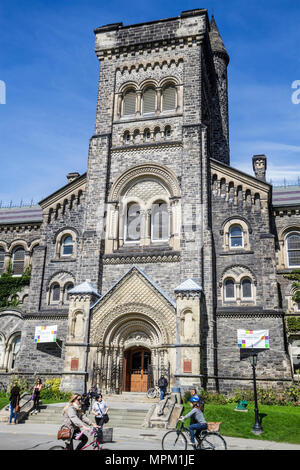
x: 136, y: 367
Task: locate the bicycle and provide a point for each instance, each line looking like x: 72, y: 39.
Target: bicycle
x: 95, y: 444
x: 153, y: 392
x: 208, y: 439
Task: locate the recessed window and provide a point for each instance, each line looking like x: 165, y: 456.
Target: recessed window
x: 55, y: 293
x: 236, y: 237
x: 67, y: 288
x: 160, y: 222
x: 293, y: 249
x: 229, y: 289
x: 246, y: 289
x: 67, y: 246
x: 133, y: 223
x: 18, y: 261
x: 14, y: 351
x: 2, y: 259
x: 169, y: 98
x: 127, y: 137
x: 129, y: 103
x: 149, y: 101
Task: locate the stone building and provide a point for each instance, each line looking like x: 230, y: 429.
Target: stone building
x: 150, y: 262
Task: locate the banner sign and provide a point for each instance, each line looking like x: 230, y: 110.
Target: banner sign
x: 256, y: 339
x: 45, y: 334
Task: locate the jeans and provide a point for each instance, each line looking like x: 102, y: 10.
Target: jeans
x: 162, y: 392
x: 12, y: 412
x: 196, y: 427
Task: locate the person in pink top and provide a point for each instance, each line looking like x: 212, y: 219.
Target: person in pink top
x: 36, y: 396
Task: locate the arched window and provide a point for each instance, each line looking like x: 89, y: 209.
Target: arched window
x: 14, y: 351
x: 2, y: 351
x: 247, y: 291
x: 67, y: 246
x: 293, y: 250
x: 229, y: 289
x: 133, y: 223
x: 55, y: 293
x: 169, y: 98
x: 2, y: 260
x: 236, y: 237
x: 160, y: 222
x: 67, y: 288
x: 129, y: 103
x: 18, y: 260
x: 149, y: 101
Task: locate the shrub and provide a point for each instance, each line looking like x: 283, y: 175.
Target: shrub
x: 51, y: 391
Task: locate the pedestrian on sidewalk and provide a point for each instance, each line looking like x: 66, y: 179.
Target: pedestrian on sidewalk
x: 36, y: 396
x: 76, y: 421
x: 14, y: 402
x: 85, y: 402
x: 162, y: 383
x: 100, y: 410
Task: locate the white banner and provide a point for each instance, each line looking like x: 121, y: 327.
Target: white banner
x: 45, y: 334
x: 256, y: 339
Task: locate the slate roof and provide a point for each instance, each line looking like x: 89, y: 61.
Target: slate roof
x: 85, y: 288
x: 216, y: 41
x: 21, y: 215
x: 286, y: 196
x: 190, y: 285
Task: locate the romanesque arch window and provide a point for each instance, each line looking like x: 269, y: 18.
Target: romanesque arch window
x: 2, y: 260
x: 18, y: 261
x: 55, y: 293
x: 14, y: 349
x: 133, y: 223
x: 160, y: 221
x: 149, y: 101
x: 67, y: 288
x: 67, y: 246
x: 236, y: 237
x: 229, y: 289
x: 129, y: 103
x: 246, y: 289
x: 169, y: 98
x: 293, y: 250
x: 2, y: 351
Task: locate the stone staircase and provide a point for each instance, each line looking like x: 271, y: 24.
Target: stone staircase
x: 126, y: 410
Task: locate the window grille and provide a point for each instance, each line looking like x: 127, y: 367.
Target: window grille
x: 246, y: 289
x: 169, y: 98
x: 229, y: 289
x: 160, y: 221
x: 149, y: 99
x: 2, y: 258
x: 55, y: 290
x: 18, y: 261
x: 129, y: 103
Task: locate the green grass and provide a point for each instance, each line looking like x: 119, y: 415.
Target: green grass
x: 3, y: 402
x: 280, y: 423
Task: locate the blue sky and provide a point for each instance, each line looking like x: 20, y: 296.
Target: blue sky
x: 48, y: 64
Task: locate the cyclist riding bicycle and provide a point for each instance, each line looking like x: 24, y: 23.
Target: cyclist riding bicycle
x: 197, y: 422
x: 74, y: 419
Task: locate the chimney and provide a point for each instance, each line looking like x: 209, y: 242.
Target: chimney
x: 259, y: 166
x: 72, y: 176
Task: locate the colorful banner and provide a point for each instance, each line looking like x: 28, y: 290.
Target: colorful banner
x: 45, y: 334
x: 256, y: 339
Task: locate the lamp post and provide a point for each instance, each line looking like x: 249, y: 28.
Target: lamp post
x: 257, y: 428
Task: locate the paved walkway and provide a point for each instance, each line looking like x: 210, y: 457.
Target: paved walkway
x: 42, y: 437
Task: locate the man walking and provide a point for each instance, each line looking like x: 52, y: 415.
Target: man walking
x: 162, y: 383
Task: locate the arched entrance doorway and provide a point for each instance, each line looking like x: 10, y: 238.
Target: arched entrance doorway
x: 135, y: 369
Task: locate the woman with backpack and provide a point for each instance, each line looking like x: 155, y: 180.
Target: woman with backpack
x: 14, y: 401
x: 100, y: 410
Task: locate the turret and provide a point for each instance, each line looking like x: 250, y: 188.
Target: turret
x: 220, y: 121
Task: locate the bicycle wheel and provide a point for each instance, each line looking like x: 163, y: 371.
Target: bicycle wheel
x: 213, y: 441
x: 151, y: 393
x: 58, y: 448
x: 174, y: 440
